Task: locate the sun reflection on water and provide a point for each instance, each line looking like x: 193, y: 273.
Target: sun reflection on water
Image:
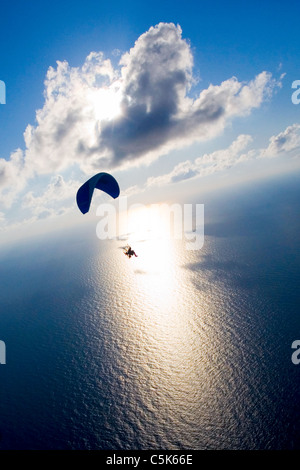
x: 154, y: 268
x: 163, y: 336
x: 160, y: 325
x: 156, y: 336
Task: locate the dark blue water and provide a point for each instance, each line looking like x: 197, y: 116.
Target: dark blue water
x: 188, y: 351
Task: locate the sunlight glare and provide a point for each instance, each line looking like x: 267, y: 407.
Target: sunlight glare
x: 150, y: 238
x: 106, y: 103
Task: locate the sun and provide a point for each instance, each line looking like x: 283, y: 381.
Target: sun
x: 106, y: 103
x: 148, y: 233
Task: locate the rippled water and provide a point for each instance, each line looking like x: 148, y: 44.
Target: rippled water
x: 174, y: 349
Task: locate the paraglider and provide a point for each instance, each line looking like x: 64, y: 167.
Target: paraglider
x: 129, y: 252
x: 103, y: 181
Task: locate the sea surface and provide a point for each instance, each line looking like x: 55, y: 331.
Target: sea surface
x: 174, y: 349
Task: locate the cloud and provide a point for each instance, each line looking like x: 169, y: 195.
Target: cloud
x: 13, y: 177
x: 56, y: 193
x: 100, y: 117
x: 207, y: 164
x: 284, y: 143
x: 157, y: 114
x: 116, y: 52
x: 68, y: 122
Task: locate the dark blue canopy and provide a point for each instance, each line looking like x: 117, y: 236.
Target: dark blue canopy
x: 102, y: 181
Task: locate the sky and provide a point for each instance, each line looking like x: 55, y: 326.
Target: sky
x: 170, y: 97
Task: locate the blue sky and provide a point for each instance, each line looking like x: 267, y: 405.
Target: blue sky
x: 258, y: 132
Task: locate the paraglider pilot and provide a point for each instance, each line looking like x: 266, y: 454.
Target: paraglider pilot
x: 130, y: 252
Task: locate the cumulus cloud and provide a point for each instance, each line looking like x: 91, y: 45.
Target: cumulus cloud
x: 13, y: 177
x: 58, y: 190
x: 69, y: 120
x: 98, y: 117
x: 207, y: 164
x: 157, y: 114
x: 284, y: 143
x: 154, y: 109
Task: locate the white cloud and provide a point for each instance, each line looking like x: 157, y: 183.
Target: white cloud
x: 57, y: 191
x: 157, y: 114
x: 284, y: 143
x: 68, y: 120
x: 116, y: 52
x: 207, y: 164
x: 13, y: 177
x: 96, y: 117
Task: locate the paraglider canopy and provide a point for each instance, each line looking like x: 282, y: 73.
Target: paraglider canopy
x: 103, y: 181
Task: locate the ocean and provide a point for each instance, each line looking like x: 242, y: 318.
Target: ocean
x: 175, y: 349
